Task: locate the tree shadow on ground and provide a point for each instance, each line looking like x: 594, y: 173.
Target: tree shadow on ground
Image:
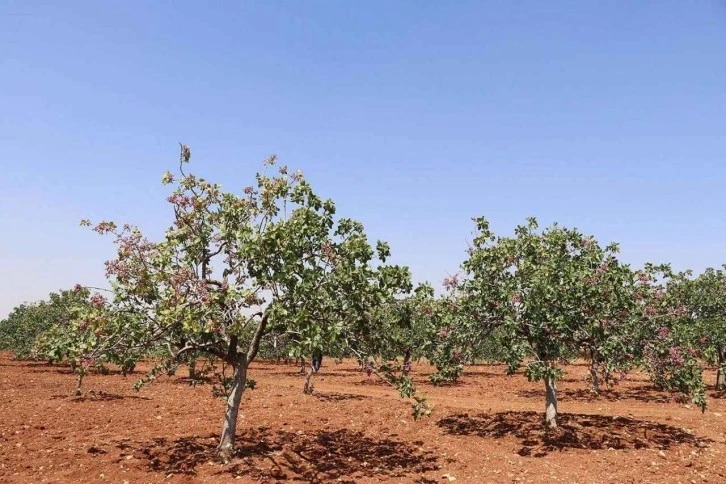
x: 475, y: 375
x: 714, y: 392
x: 315, y: 456
x: 460, y: 382
x: 61, y: 370
x: 575, y: 431
x: 298, y: 374
x: 644, y: 393
x: 338, y: 397
x: 189, y: 381
x: 355, y: 370
x: 67, y: 370
x: 573, y: 379
x: 371, y: 381
x: 20, y: 362
x: 93, y: 396
x: 360, y: 371
x: 417, y: 379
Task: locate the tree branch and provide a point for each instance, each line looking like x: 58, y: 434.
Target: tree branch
x: 255, y: 343
x: 231, y: 356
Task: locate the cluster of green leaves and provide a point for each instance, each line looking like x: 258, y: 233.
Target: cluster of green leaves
x: 705, y: 300
x: 97, y: 335
x: 74, y: 327
x: 665, y: 333
x: 550, y: 294
x: 405, y: 330
x: 27, y: 322
x: 402, y: 328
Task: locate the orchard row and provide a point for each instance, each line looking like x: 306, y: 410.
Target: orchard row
x: 273, y: 272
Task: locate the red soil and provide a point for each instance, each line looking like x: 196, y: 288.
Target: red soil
x: 488, y: 428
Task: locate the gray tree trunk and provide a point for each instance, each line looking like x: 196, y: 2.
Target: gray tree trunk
x: 192, y: 367
x: 720, y: 375
x: 225, y: 450
x: 593, y: 373
x: 80, y: 383
x: 302, y: 365
x: 551, y: 403
x: 308, y: 388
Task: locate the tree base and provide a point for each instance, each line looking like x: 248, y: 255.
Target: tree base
x: 225, y: 454
x: 551, y: 425
x: 308, y: 387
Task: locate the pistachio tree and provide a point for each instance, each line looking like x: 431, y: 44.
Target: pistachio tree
x: 541, y: 291
x: 404, y: 329
x: 705, y: 299
x: 232, y: 268
x: 27, y: 322
x: 96, y: 334
x: 469, y: 328
x: 668, y: 333
x: 344, y: 304
x: 609, y: 313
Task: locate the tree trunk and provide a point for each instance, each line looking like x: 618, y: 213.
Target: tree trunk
x: 192, y: 367
x: 593, y: 373
x: 407, y: 362
x: 225, y: 451
x: 551, y: 403
x: 80, y: 383
x: 308, y: 388
x: 720, y: 375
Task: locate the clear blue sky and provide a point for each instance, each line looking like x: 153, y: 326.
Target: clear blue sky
x: 413, y: 116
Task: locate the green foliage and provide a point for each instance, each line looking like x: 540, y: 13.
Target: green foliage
x: 446, y: 352
x: 548, y: 293
x: 668, y: 333
x: 402, y: 330
x: 403, y: 326
x: 549, y: 297
x: 610, y: 312
x: 705, y: 300
x: 274, y: 272
x: 27, y: 322
x: 284, y: 265
x: 97, y: 334
x: 234, y: 268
